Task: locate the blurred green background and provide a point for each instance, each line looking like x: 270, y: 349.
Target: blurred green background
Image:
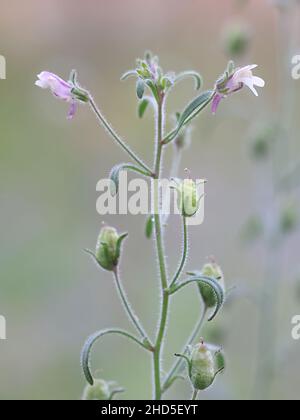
x: 51, y: 294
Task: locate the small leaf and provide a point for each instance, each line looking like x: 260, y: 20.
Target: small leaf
x: 149, y: 227
x: 85, y: 354
x: 142, y: 107
x: 153, y: 89
x: 127, y: 74
x: 217, y: 289
x: 190, y: 112
x: 115, y: 172
x: 194, y: 74
x: 194, y: 107
x: 208, y: 281
x: 230, y: 67
x: 73, y: 77
x: 119, y: 243
x: 140, y: 88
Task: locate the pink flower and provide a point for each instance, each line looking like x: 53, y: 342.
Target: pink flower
x: 59, y: 87
x: 241, y: 77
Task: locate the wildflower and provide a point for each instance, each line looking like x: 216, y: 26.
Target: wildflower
x: 66, y: 91
x: 233, y: 81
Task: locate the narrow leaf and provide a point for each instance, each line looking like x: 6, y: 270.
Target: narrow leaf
x: 209, y: 281
x: 194, y: 74
x: 140, y: 88
x: 194, y: 106
x: 85, y: 354
x: 149, y: 227
x: 142, y: 107
x: 190, y: 112
x: 119, y: 243
x: 115, y: 173
x: 127, y: 74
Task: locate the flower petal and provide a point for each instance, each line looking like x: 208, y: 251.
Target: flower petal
x: 215, y: 103
x: 258, y: 81
x: 72, y: 110
x: 249, y: 82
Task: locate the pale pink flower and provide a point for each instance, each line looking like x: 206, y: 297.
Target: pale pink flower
x: 59, y: 88
x: 241, y: 77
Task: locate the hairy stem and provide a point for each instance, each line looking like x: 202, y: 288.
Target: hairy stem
x: 127, y: 305
x: 176, y: 368
x: 161, y: 257
x: 184, y: 252
x: 195, y: 394
x: 115, y: 136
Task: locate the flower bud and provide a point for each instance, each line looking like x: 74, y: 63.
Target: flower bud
x: 236, y: 40
x: 98, y: 391
x: 108, y: 248
x: 202, y: 367
x: 188, y: 200
x: 214, y: 271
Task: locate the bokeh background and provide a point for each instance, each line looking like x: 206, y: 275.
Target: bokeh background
x: 51, y: 293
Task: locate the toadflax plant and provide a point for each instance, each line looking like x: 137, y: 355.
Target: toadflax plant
x: 204, y: 361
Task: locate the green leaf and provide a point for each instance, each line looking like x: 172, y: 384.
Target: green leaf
x: 153, y: 89
x: 85, y: 354
x: 140, y: 88
x: 115, y: 173
x: 73, y: 77
x: 230, y: 67
x: 190, y: 73
x: 194, y: 107
x: 129, y: 73
x: 149, y: 227
x: 217, y: 289
x: 190, y: 112
x: 119, y: 243
x: 142, y: 107
x: 209, y: 281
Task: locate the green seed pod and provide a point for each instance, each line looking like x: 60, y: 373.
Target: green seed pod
x: 98, y: 391
x: 188, y: 200
x: 213, y: 270
x: 108, y: 248
x: 202, y: 367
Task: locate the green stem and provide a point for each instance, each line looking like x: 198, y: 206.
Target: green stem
x: 127, y: 306
x: 161, y: 257
x: 85, y: 354
x: 178, y: 364
x: 115, y: 136
x: 195, y: 394
x: 184, y: 252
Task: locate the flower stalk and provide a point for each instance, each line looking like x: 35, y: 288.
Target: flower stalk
x: 150, y: 76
